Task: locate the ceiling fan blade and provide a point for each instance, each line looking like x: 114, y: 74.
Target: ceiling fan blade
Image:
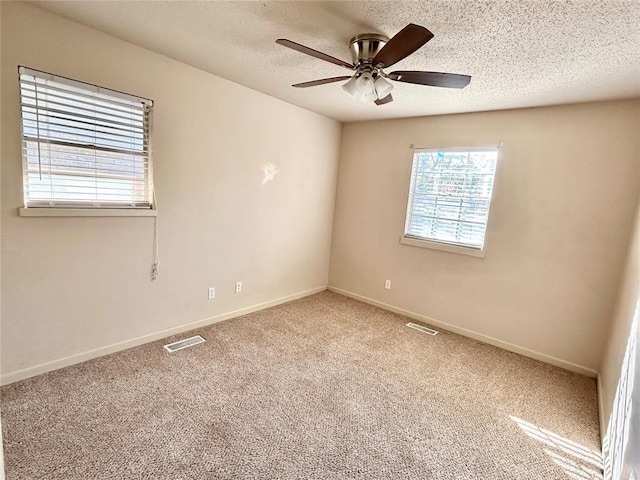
x: 313, y: 53
x: 433, y: 79
x: 382, y: 101
x: 320, y: 82
x: 403, y: 44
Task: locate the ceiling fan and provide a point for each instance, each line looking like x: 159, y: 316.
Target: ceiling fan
x: 371, y: 53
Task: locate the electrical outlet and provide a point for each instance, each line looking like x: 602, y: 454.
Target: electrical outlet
x: 212, y: 293
x: 387, y: 284
x: 238, y: 287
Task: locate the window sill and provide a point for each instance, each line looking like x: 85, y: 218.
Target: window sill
x: 85, y: 212
x: 414, y: 242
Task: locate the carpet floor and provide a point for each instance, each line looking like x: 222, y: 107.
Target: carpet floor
x: 324, y: 387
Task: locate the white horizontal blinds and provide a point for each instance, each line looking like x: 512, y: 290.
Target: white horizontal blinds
x: 450, y: 194
x: 83, y: 146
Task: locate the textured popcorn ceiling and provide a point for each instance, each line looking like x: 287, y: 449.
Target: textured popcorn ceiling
x: 520, y: 53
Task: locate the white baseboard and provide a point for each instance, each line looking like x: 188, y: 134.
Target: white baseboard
x: 573, y: 367
x: 117, y: 347
x: 601, y: 412
x: 135, y: 342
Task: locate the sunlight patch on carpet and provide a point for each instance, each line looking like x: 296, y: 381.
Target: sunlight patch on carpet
x: 576, y: 460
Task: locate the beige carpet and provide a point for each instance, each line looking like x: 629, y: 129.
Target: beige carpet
x: 321, y: 388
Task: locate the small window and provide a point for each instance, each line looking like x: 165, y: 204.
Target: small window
x: 449, y: 196
x: 83, y: 146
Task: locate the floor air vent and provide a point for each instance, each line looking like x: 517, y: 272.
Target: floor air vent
x: 189, y: 342
x: 422, y: 329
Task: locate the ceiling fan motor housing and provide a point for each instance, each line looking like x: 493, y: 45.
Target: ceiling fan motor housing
x: 365, y: 47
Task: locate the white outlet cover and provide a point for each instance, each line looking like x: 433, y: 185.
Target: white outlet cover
x: 387, y: 284
x: 212, y: 293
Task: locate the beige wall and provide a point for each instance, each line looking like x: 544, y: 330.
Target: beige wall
x: 564, y: 199
x: 621, y: 325
x: 71, y: 285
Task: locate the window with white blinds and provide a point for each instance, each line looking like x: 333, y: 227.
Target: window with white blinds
x: 83, y: 146
x: 450, y: 194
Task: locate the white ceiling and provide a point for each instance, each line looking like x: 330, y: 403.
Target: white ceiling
x: 520, y: 53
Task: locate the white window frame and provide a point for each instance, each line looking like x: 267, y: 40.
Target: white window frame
x: 620, y: 445
x: 72, y: 113
x: 436, y: 244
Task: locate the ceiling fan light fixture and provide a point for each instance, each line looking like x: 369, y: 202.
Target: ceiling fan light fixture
x: 366, y: 87
x: 383, y: 87
x: 351, y: 87
x: 368, y: 96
